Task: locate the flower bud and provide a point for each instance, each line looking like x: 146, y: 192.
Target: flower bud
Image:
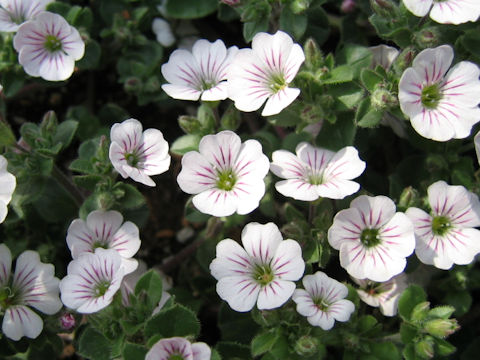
x: 404, y: 59
x: 441, y: 327
x: 152, y: 85
x: 428, y: 37
x: 347, y: 6
x: 306, y: 346
x: 189, y: 124
x: 408, y: 197
x: 384, y: 8
x: 312, y: 113
x: 313, y: 54
x: 231, y: 2
x: 420, y: 311
x: 383, y: 99
x: 133, y: 84
x: 424, y: 348
x: 67, y: 321
x: 49, y: 123
x: 231, y: 119
x: 299, y: 6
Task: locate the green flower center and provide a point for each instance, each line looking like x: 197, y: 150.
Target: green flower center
x: 99, y: 244
x: 226, y: 180
x: 370, y: 237
x: 8, y: 297
x: 132, y: 159
x: 431, y: 95
x: 321, y: 304
x: 263, y: 274
x: 441, y: 225
x: 315, y: 179
x: 176, y: 357
x: 277, y: 83
x: 207, y: 84
x: 52, y: 43
x: 102, y: 288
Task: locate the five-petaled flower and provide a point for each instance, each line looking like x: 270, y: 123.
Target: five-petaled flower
x: 138, y: 154
x: 372, y: 238
x: 441, y: 105
x: 178, y: 348
x: 264, y: 72
x: 13, y: 13
x: 48, y: 47
x: 262, y: 272
x: 226, y: 174
x: 201, y: 73
x: 323, y: 300
x: 7, y: 187
x: 317, y: 172
x: 384, y: 295
x: 445, y: 11
x: 447, y: 236
x: 105, y: 229
x: 92, y: 280
x: 33, y: 284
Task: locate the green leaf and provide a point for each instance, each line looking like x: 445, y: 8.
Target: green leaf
x: 471, y: 42
x: 6, y: 134
x: 290, y: 116
x: 338, y: 135
x: 235, y: 326
x: 189, y: 9
x: 442, y: 312
x: 185, y: 144
x: 412, y: 296
x: 55, y: 204
x: 134, y: 351
x: 90, y: 60
x: 444, y: 348
x: 371, y: 119
x: 232, y: 350
x: 250, y: 28
x: 370, y: 79
x: 338, y: 75
x: 65, y: 133
x: 151, y: 283
x: 263, y: 342
x: 93, y: 345
x: 175, y: 321
x: 132, y: 198
x: 293, y: 24
x: 385, y: 351
x: 356, y: 56
x: 88, y: 182
x: 60, y: 8
x: 408, y: 332
x: 409, y: 353
x: 366, y: 323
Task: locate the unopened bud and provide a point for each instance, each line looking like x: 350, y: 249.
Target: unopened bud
x: 132, y: 84
x: 408, y: 197
x: 312, y: 113
x: 299, y: 6
x: 348, y: 6
x: 382, y: 99
x: 313, y: 54
x: 152, y: 85
x: 441, y: 327
x: 105, y: 200
x: 306, y: 346
x: 67, y: 321
x: 231, y: 119
x: 189, y: 124
x: 420, y: 311
x: 49, y: 122
x: 425, y: 348
x: 404, y: 59
x: 428, y: 37
x: 384, y: 8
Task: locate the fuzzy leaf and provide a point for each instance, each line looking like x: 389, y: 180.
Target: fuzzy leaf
x: 263, y: 342
x: 175, y: 321
x: 413, y: 295
x: 151, y: 283
x: 93, y: 345
x: 185, y: 144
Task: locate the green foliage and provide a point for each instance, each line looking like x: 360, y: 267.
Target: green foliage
x: 94, y: 345
x: 175, y: 321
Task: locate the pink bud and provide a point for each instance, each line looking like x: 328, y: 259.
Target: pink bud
x: 231, y: 2
x: 67, y: 321
x: 347, y: 6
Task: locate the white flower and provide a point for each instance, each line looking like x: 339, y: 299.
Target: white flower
x: 447, y: 236
x: 476, y: 141
x: 162, y: 30
x: 384, y: 295
x: 105, y: 229
x: 383, y: 55
x: 226, y: 174
x: 441, y: 105
x: 138, y: 154
x: 317, y: 172
x: 33, y: 284
x: 446, y: 11
x: 372, y: 238
x: 264, y: 73
x: 261, y: 272
x: 130, y: 281
x: 7, y: 187
x: 48, y: 47
x: 13, y: 13
x: 200, y: 73
x: 92, y: 280
x: 179, y: 349
x: 323, y: 300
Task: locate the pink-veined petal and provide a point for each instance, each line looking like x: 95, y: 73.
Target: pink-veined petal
x: 240, y: 292
x: 231, y: 260
x: 261, y: 241
x: 275, y: 294
x: 19, y: 321
x: 287, y: 263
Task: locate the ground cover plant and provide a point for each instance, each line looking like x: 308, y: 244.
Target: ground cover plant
x: 239, y: 179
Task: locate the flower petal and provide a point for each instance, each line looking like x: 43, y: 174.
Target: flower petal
x: 231, y: 260
x: 197, y: 174
x: 280, y: 100
x: 418, y: 7
x: 287, y: 263
x: 261, y: 241
x: 19, y: 321
x: 275, y: 294
x: 240, y: 292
